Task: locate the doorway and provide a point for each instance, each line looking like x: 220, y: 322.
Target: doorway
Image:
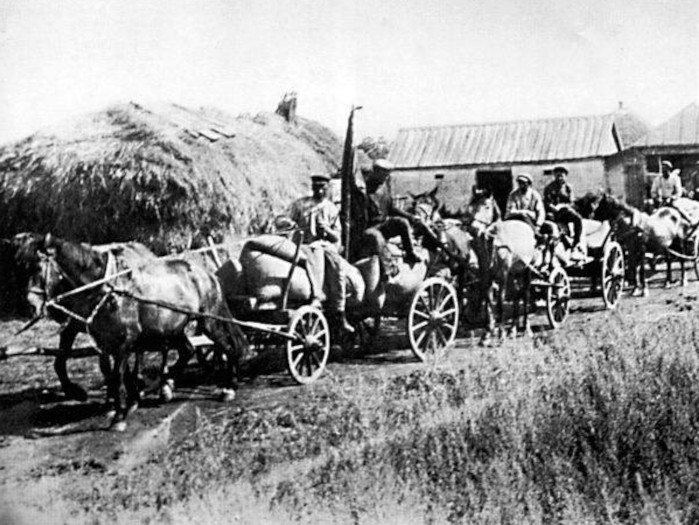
x: 498, y: 183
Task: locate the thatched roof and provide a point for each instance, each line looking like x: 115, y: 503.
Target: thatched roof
x: 161, y: 174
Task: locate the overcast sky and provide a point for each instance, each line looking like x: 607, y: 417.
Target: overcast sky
x: 408, y: 62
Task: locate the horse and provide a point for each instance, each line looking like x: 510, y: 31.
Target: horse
x: 507, y: 252
x: 145, y: 306
x: 661, y: 233
x: 36, y: 269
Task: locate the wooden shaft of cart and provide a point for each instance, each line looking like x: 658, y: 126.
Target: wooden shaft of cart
x: 261, y: 327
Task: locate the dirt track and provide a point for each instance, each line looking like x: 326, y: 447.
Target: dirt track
x: 43, y: 437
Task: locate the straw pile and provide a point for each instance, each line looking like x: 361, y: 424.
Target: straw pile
x: 163, y: 175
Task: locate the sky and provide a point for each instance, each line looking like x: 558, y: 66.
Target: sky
x: 407, y: 62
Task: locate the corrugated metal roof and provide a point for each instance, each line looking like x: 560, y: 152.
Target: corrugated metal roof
x: 505, y: 142
x: 681, y: 130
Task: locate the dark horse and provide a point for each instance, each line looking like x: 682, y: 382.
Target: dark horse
x: 661, y: 233
x: 147, y: 306
x: 36, y: 270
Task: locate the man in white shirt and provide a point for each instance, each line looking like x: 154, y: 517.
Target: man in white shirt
x: 667, y: 187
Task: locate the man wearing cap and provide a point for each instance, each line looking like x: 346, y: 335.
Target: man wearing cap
x: 525, y: 203
x: 667, y: 186
x: 383, y: 220
x: 318, y: 218
x: 558, y: 203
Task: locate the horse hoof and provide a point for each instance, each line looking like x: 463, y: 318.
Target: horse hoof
x: 131, y: 409
x: 111, y: 414
x: 166, y: 391
x: 119, y: 426
x: 75, y: 392
x: 166, y: 394
x: 227, y: 395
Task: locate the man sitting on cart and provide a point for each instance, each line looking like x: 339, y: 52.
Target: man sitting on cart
x: 384, y: 221
x: 318, y: 218
x: 558, y: 203
x: 667, y: 186
x: 525, y: 203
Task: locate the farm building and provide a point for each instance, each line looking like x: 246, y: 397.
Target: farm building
x: 676, y: 140
x: 491, y: 154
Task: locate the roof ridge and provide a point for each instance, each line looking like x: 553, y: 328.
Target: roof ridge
x: 507, y: 122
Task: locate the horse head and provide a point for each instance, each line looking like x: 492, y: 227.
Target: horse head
x: 54, y: 266
x: 609, y: 208
x: 587, y: 204
x: 32, y: 268
x: 481, y: 212
x: 425, y: 206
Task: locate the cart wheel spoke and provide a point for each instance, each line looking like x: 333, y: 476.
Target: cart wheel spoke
x: 297, y: 359
x: 451, y: 311
x: 420, y: 325
x: 422, y: 314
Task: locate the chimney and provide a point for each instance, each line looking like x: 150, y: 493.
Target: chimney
x: 621, y: 105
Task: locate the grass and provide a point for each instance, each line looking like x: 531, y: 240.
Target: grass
x: 597, y: 427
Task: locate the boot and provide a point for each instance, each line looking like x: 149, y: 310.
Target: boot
x: 342, y: 322
x: 412, y: 259
x: 316, y: 303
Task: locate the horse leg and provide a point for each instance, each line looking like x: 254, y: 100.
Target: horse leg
x: 515, y: 317
x: 67, y: 338
x: 121, y: 397
x: 642, y: 270
x: 229, y: 340
x: 501, y: 308
x: 527, y: 290
x: 488, y: 303
x: 168, y: 376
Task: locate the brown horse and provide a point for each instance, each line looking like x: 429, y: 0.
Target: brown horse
x: 37, y: 269
x: 662, y: 233
x: 144, y: 307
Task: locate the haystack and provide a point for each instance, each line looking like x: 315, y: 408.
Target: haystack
x: 164, y: 175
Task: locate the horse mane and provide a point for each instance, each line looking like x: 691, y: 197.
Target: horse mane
x: 81, y: 257
x: 586, y: 204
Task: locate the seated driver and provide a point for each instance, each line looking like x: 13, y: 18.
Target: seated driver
x: 558, y: 203
x: 525, y: 203
x: 384, y: 220
x: 318, y: 218
x: 667, y: 186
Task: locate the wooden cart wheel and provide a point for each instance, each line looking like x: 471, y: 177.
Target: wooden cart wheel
x: 558, y: 297
x: 433, y: 318
x: 612, y: 274
x: 308, y: 353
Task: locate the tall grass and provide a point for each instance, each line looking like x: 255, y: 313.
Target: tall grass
x: 598, y: 427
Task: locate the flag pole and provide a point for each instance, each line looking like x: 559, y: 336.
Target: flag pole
x: 347, y: 174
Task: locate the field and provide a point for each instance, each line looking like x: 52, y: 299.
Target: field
x: 595, y: 423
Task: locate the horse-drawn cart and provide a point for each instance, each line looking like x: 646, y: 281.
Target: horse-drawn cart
x: 604, y: 262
